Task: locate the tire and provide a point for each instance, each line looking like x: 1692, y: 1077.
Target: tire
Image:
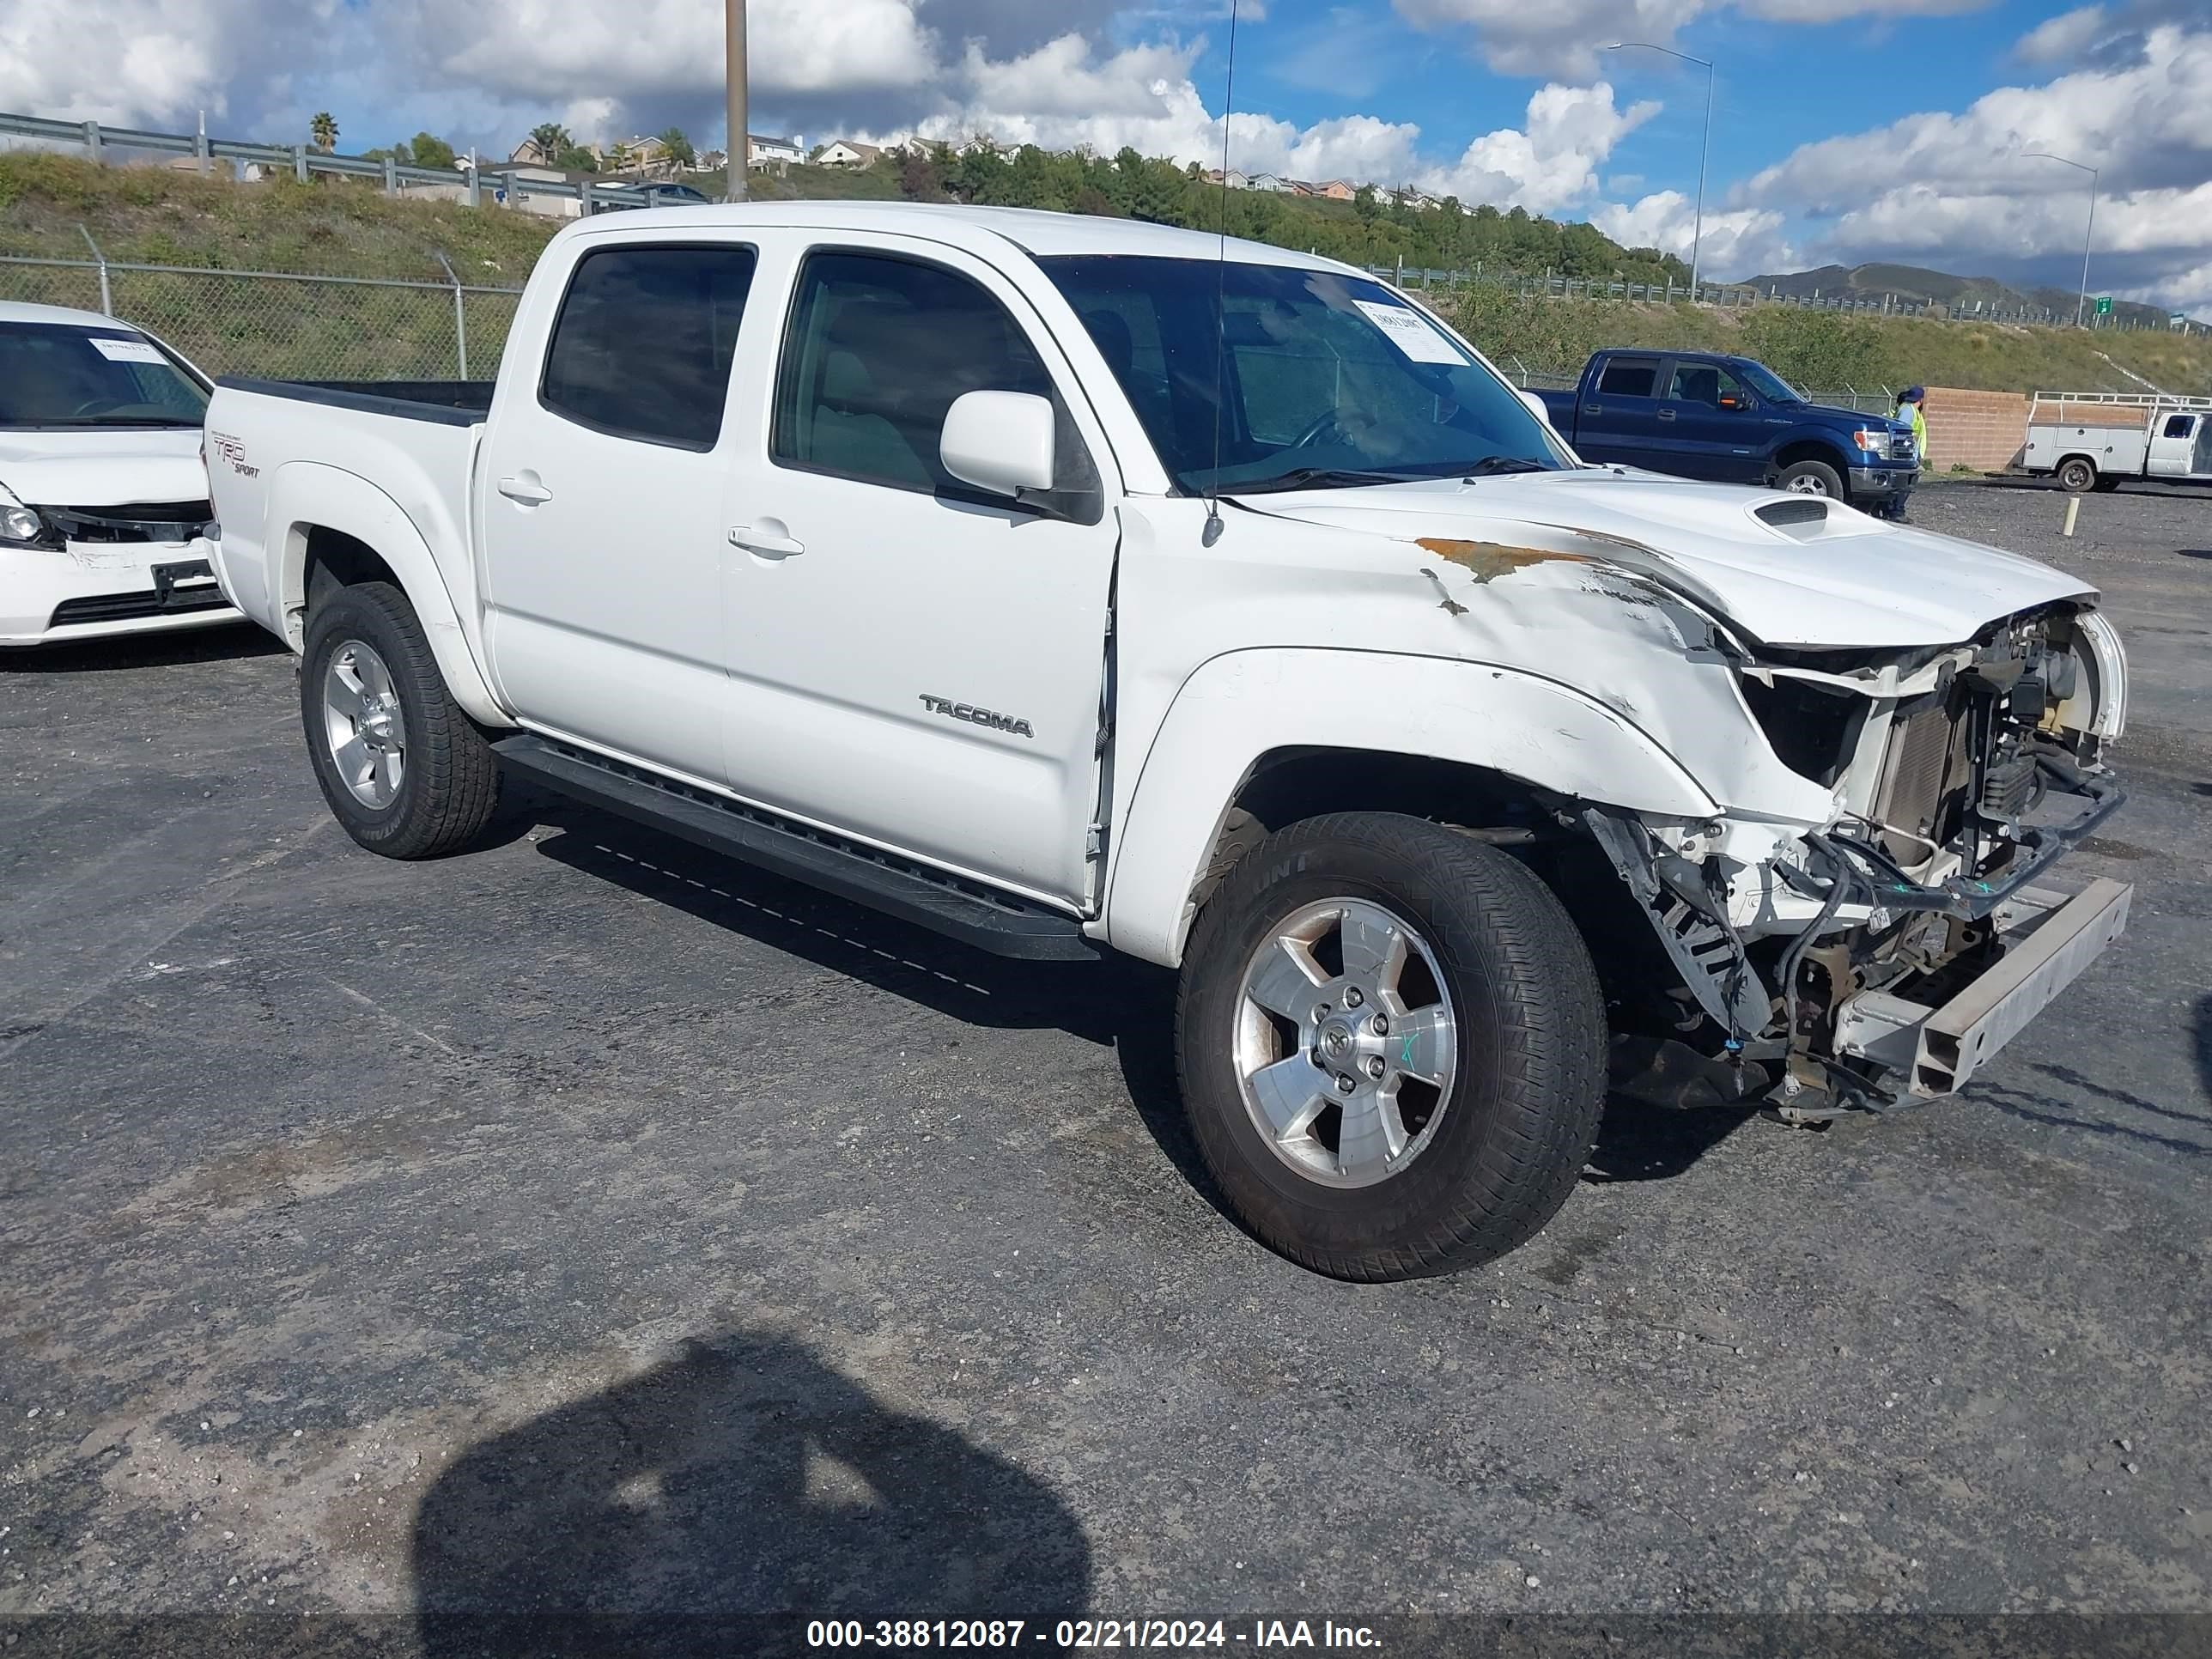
x: 1812, y: 478
x: 419, y: 779
x: 1492, y: 1148
x: 2076, y: 476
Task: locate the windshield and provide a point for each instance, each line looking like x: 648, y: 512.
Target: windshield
x: 1326, y: 379
x: 63, y: 374
x: 1769, y: 385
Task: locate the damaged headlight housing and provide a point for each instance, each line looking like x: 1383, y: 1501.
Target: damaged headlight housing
x: 20, y: 526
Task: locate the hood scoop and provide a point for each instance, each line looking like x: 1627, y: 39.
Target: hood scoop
x: 1804, y: 517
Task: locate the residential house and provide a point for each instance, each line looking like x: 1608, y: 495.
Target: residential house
x: 1335, y: 190
x: 849, y: 153
x: 777, y: 153
x: 1272, y: 183
x: 509, y: 184
x: 1233, y: 178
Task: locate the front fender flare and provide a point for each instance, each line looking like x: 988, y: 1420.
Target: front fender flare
x: 1239, y: 707
x: 307, y: 496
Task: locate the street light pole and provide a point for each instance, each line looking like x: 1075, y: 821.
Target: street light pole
x: 733, y: 77
x: 2087, y: 235
x: 1705, y: 148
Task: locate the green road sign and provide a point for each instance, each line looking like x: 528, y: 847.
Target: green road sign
x: 2104, y: 305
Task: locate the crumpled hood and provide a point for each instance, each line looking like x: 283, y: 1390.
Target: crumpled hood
x: 103, y: 469
x: 1854, y: 581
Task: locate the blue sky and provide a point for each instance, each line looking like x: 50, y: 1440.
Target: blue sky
x: 1844, y: 131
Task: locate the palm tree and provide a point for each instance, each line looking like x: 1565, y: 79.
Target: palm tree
x: 551, y: 139
x: 679, y: 147
x: 324, y: 129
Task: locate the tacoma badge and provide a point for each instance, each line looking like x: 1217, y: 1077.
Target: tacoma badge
x: 975, y: 716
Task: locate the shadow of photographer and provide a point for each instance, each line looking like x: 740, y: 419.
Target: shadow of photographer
x: 718, y: 1503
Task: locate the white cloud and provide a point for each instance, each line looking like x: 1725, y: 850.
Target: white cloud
x: 1963, y: 190
x: 157, y: 60
x: 2067, y: 35
x: 1738, y: 242
x: 1561, y: 37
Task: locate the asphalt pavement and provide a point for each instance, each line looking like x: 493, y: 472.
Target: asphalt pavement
x: 587, y: 1229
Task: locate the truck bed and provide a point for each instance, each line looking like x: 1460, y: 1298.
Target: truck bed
x: 451, y: 402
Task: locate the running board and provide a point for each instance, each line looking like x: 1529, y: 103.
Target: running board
x: 1001, y: 923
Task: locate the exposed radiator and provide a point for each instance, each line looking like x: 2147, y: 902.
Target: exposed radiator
x: 1925, y: 777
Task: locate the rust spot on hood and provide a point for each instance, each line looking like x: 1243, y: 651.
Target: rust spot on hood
x: 1488, y: 560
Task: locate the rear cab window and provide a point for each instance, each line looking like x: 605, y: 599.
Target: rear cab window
x: 1629, y: 377
x: 642, y: 345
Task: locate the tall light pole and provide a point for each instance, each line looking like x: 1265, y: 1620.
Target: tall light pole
x: 2081, y: 304
x: 733, y: 77
x: 1704, y: 148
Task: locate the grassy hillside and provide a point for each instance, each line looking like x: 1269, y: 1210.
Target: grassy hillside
x: 1917, y: 284
x: 161, y: 217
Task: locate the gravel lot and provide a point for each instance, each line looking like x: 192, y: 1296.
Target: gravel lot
x: 582, y: 1225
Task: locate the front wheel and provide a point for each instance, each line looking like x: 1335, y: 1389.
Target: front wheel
x: 404, y: 768
x: 1811, y: 478
x: 1391, y: 1043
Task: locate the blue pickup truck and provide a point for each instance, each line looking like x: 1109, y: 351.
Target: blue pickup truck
x: 1734, y: 420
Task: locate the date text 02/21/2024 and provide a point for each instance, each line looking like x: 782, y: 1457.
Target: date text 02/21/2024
x: 1086, y: 1634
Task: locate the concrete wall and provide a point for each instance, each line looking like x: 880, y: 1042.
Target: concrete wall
x: 1985, y: 431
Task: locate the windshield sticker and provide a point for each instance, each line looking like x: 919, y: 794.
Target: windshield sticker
x: 1411, y: 333
x: 126, y: 351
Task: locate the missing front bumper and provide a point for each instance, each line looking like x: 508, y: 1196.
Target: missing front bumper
x: 2050, y: 938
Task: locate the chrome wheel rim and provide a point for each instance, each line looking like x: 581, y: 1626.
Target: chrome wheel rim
x: 1346, y: 1044
x: 1807, y: 483
x: 361, y: 720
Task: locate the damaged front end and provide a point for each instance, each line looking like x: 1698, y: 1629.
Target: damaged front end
x: 1889, y: 952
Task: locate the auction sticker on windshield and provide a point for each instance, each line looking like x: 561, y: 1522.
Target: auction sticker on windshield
x: 126, y: 351
x: 1411, y: 333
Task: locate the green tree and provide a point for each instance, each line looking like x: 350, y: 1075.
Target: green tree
x: 1365, y: 204
x: 919, y: 181
x: 429, y: 150
x: 679, y: 147
x: 576, y: 159
x: 552, y: 140
x: 324, y: 131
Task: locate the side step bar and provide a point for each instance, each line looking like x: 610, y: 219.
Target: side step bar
x: 998, y: 922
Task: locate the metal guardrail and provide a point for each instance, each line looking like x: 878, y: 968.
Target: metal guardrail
x: 304, y: 161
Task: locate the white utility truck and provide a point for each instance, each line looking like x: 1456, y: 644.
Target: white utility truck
x: 2098, y: 439
x: 1068, y: 584
x: 103, y: 498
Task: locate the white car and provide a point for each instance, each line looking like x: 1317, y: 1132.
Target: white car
x: 1068, y: 584
x: 103, y: 496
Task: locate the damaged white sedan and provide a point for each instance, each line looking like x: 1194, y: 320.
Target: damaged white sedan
x: 103, y: 496
x: 1066, y: 584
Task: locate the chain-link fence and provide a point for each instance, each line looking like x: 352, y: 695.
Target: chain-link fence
x: 283, y: 326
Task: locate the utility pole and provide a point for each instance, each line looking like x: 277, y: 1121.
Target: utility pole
x: 1705, y: 148
x: 2087, y: 235
x: 733, y: 74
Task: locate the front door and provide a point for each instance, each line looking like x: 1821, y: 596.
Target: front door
x: 2172, y: 445
x: 1706, y: 415
x: 601, y: 485
x: 913, y: 662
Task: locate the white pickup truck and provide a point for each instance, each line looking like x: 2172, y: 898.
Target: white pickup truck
x: 1065, y: 585
x: 103, y: 498
x: 2101, y: 439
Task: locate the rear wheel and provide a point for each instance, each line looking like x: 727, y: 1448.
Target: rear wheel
x: 403, y: 770
x: 1811, y: 478
x: 2076, y: 475
x: 1391, y: 1041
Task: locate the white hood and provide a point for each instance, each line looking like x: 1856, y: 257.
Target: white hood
x: 1855, y: 580
x: 120, y: 468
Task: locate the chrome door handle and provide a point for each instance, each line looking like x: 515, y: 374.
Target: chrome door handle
x: 1666, y: 414
x: 523, y: 490
x: 768, y: 546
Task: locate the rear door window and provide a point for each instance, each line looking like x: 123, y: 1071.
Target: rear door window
x: 1629, y: 377
x: 643, y: 343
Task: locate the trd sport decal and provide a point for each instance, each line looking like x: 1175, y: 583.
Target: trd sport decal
x: 975, y: 716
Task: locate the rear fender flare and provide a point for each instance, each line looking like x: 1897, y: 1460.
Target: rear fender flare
x: 1239, y: 707
x: 307, y: 496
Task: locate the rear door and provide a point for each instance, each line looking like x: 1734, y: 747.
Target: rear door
x: 601, y: 480
x: 913, y: 662
x: 1705, y: 415
x: 1618, y: 416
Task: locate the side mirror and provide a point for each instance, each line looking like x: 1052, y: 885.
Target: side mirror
x: 1537, y: 406
x: 1001, y: 441
x: 1731, y: 402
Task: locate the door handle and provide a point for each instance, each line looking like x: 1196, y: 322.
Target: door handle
x: 770, y: 545
x: 525, y: 490
x: 1593, y: 408
x: 1666, y: 414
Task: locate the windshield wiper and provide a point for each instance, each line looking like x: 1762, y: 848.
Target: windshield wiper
x: 1322, y: 477
x: 1491, y: 465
